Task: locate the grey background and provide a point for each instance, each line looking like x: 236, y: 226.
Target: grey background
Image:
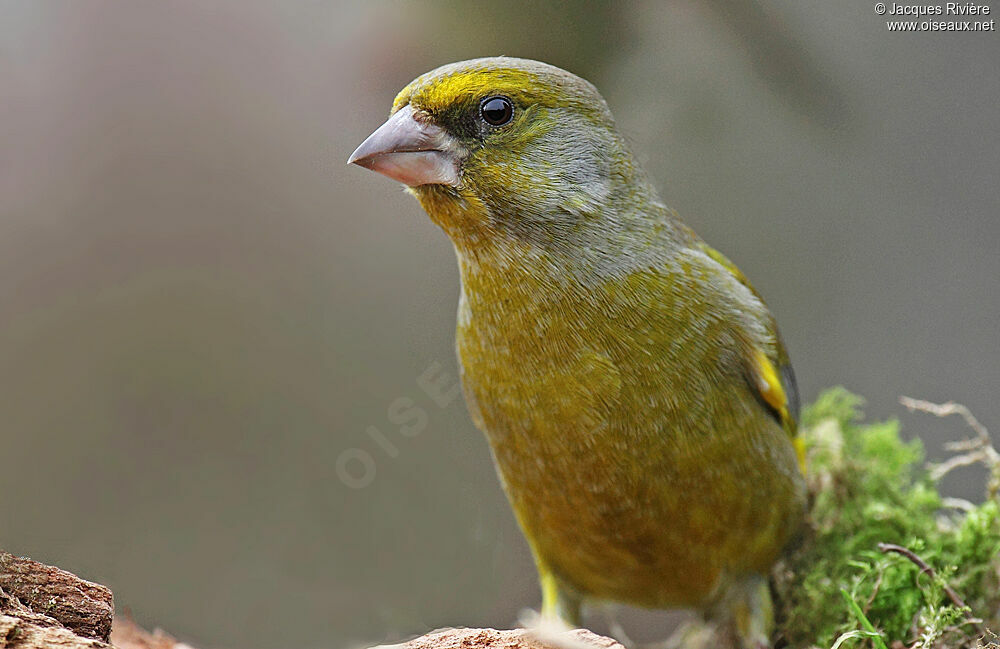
x: 202, y: 306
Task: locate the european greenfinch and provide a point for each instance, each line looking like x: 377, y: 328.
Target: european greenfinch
x: 632, y: 384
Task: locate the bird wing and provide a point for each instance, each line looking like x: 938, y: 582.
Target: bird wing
x: 773, y: 377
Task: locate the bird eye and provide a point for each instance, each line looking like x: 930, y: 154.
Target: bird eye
x: 496, y: 111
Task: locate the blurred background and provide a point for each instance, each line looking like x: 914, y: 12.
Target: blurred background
x: 206, y: 315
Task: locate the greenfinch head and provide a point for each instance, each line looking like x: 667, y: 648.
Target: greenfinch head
x: 534, y: 144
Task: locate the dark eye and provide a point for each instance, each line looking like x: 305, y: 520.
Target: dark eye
x: 496, y: 111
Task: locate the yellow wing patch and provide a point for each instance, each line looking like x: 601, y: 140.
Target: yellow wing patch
x: 768, y: 384
x: 766, y: 376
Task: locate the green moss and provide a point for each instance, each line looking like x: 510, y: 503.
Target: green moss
x: 868, y: 486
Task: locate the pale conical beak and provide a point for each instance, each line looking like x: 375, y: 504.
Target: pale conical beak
x: 410, y: 150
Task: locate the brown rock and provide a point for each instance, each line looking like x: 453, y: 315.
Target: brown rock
x: 126, y: 634
x: 16, y: 633
x: 83, y: 607
x: 512, y: 639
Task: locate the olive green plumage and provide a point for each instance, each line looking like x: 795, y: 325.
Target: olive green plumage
x: 632, y: 384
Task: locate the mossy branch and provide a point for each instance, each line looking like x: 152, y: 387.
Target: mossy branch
x: 886, y: 560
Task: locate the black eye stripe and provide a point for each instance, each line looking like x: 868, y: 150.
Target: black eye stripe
x: 496, y: 111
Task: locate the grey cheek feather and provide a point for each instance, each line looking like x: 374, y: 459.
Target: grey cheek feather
x: 587, y: 211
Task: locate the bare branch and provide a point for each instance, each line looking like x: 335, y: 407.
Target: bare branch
x: 945, y: 409
x: 926, y: 569
x: 979, y: 450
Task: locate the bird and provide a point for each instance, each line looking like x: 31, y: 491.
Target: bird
x: 633, y: 386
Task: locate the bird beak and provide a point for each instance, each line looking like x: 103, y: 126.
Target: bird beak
x: 411, y: 150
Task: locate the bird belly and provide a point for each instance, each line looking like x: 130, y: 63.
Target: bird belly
x: 634, y: 477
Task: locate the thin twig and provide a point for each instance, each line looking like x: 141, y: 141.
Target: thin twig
x: 979, y: 450
x: 945, y: 409
x: 926, y: 569
x: 875, y: 589
x: 957, y: 503
x: 942, y: 469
